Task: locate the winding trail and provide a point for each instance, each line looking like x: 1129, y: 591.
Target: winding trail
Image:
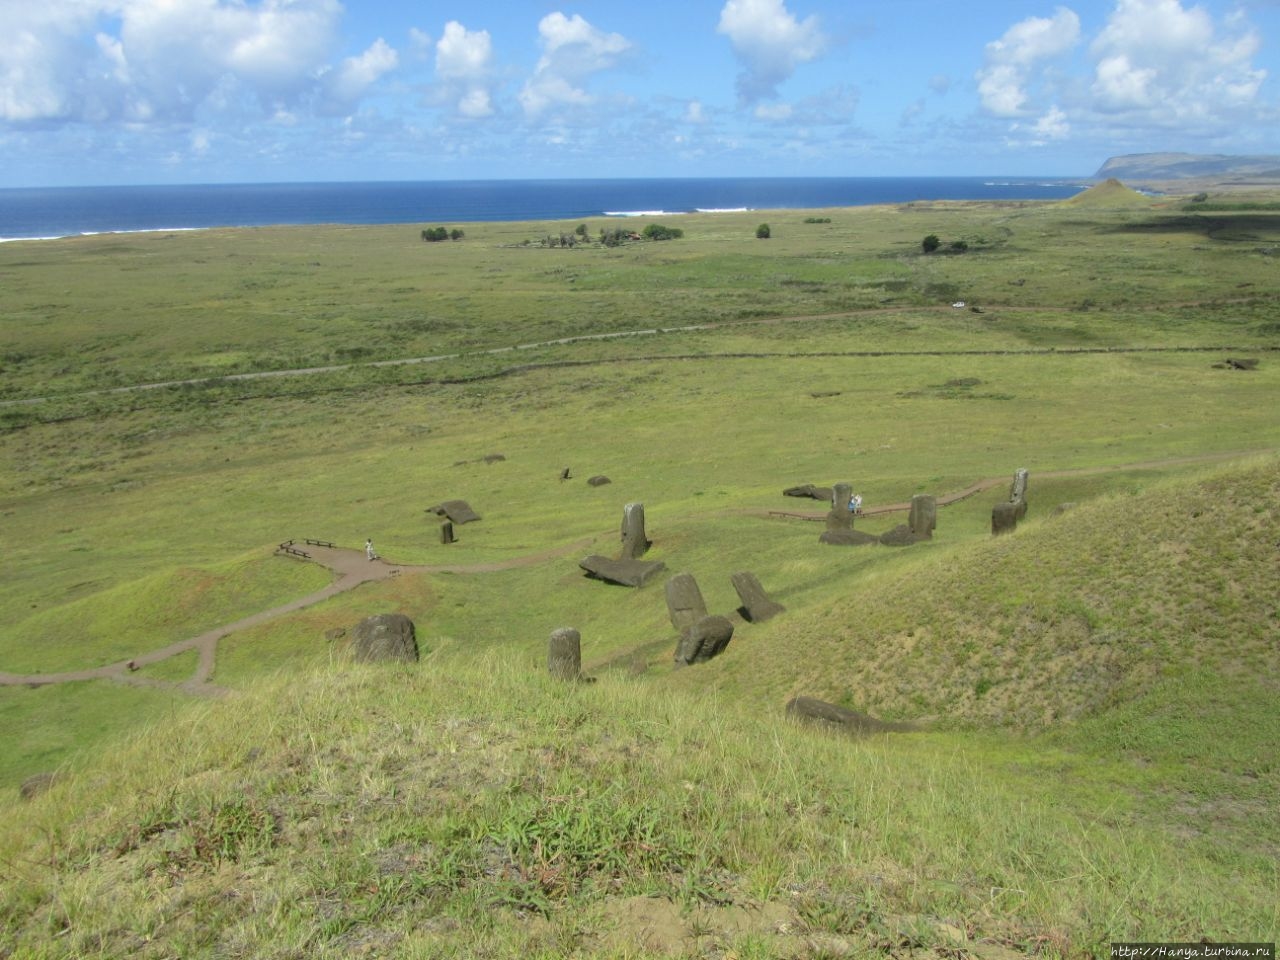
x: 352, y: 568
x: 802, y: 319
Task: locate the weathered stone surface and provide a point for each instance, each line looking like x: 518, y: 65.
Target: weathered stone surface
x: 1242, y: 363
x: 1018, y: 489
x: 923, y: 519
x: 459, y: 511
x: 756, y: 607
x: 627, y: 573
x: 36, y: 784
x: 900, y: 536
x: 386, y: 636
x: 809, y: 710
x: 808, y: 490
x: 446, y: 532
x: 841, y: 494
x: 598, y: 481
x: 704, y: 640
x: 1004, y: 518
x: 847, y: 538
x: 634, y: 542
x: 685, y: 605
x: 564, y: 654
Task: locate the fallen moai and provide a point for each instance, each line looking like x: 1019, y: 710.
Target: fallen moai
x: 704, y: 640
x: 900, y: 536
x: 808, y: 490
x: 756, y: 605
x: 458, y: 511
x: 627, y: 573
x: 810, y: 710
x: 564, y: 654
x: 385, y: 636
x: 598, y: 481
x: 685, y: 605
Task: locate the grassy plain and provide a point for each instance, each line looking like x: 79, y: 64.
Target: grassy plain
x: 1101, y: 757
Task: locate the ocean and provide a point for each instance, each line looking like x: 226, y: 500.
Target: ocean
x: 36, y: 212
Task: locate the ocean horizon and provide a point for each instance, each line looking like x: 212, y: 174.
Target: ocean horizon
x: 30, y: 213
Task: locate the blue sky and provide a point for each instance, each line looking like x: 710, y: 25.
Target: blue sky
x: 204, y: 91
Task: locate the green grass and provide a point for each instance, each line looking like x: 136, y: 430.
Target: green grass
x: 403, y: 807
x: 1096, y: 685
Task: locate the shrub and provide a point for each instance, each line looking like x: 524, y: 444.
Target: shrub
x: 930, y: 243
x: 762, y: 232
x: 656, y: 231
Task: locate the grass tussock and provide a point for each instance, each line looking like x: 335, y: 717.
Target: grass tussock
x: 485, y: 811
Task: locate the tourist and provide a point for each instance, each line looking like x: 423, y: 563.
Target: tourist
x: 368, y: 550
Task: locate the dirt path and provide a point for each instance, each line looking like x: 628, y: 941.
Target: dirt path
x: 352, y: 568
x: 651, y: 332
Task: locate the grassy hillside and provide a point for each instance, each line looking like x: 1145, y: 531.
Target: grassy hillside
x: 1098, y: 756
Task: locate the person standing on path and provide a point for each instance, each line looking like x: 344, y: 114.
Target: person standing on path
x: 368, y: 550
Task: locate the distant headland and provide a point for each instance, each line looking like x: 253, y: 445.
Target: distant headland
x: 1180, y: 172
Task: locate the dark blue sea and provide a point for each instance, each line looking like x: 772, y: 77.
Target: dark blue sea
x: 68, y: 211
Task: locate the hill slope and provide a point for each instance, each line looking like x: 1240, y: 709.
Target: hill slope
x: 477, y: 809
x: 1070, y: 615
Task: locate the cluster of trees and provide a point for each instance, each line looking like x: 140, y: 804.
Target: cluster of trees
x: 931, y: 243
x: 436, y: 234
x: 612, y: 236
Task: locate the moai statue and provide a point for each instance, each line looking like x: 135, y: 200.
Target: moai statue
x: 1018, y: 490
x: 756, y: 605
x: 564, y: 654
x: 685, y: 605
x: 1004, y: 518
x: 839, y: 516
x: 634, y: 543
x: 840, y: 520
x: 446, y: 532
x: 924, y: 516
x: 704, y: 640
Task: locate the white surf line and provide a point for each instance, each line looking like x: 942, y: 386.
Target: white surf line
x: 339, y: 368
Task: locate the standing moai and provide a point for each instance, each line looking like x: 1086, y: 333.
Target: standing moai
x: 840, y: 520
x: 685, y: 605
x: 1004, y: 518
x: 564, y: 654
x: 924, y: 516
x: 446, y: 532
x: 839, y: 516
x: 1018, y: 490
x: 634, y: 543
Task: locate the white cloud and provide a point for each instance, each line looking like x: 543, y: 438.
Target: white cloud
x: 164, y: 60
x: 355, y: 75
x: 1010, y: 61
x: 769, y: 42
x: 464, y: 64
x: 1157, y: 58
x: 1155, y: 66
x: 572, y: 51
